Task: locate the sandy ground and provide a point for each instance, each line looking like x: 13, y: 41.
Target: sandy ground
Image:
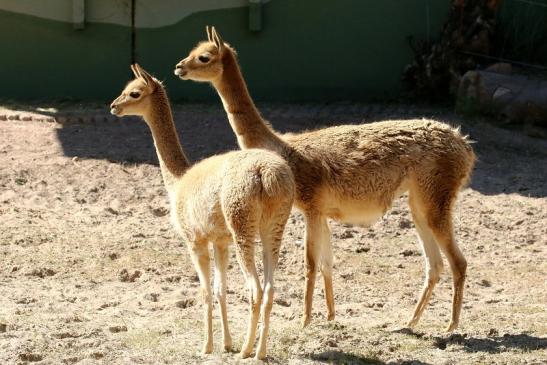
x: 92, y: 273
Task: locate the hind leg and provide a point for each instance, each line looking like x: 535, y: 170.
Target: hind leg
x: 432, y: 256
x: 438, y: 213
x: 271, y: 234
x: 317, y: 251
x: 221, y: 266
x: 458, y: 265
x: 245, y: 251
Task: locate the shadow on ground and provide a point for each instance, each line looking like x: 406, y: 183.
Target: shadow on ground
x: 491, y: 344
x: 508, y: 161
x: 496, y: 344
x: 340, y: 357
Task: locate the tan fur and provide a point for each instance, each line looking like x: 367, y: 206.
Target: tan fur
x: 234, y: 196
x: 353, y: 173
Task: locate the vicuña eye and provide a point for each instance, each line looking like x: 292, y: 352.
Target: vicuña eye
x: 203, y: 59
x: 134, y: 94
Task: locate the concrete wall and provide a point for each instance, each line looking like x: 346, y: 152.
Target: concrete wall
x: 306, y: 49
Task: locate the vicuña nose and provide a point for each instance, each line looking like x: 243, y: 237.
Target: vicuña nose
x: 179, y: 65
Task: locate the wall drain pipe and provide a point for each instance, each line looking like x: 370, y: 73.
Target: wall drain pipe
x: 255, y: 15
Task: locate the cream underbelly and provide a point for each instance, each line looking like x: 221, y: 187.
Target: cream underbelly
x: 360, y: 212
x: 356, y: 213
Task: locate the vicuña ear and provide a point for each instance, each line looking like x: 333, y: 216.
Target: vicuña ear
x: 149, y: 79
x: 217, y: 39
x: 135, y: 71
x: 208, y: 30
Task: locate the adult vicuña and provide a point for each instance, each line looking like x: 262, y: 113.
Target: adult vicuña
x: 233, y: 196
x: 352, y: 173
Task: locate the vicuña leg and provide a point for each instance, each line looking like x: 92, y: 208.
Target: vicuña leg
x: 221, y: 265
x: 432, y: 256
x: 439, y: 220
x: 318, y: 251
x: 245, y: 257
x: 458, y: 265
x: 271, y: 237
x: 200, y: 257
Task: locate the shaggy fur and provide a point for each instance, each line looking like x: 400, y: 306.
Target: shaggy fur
x: 353, y: 173
x: 234, y: 196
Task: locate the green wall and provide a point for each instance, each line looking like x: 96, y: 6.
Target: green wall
x: 306, y: 50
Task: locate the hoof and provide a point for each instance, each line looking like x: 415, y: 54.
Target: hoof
x: 260, y: 355
x: 207, y: 349
x: 451, y: 327
x: 305, y: 321
x: 244, y: 354
x: 330, y: 317
x: 412, y: 323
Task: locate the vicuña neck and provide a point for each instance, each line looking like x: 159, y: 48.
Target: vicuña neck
x: 173, y: 161
x: 251, y: 130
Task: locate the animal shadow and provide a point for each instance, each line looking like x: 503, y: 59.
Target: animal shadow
x: 491, y: 344
x: 494, y: 344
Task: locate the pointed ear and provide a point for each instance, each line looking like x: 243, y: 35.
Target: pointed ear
x: 217, y: 39
x: 208, y: 30
x: 135, y: 71
x: 145, y: 75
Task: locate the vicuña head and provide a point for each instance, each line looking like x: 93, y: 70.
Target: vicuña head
x: 205, y: 61
x: 135, y: 98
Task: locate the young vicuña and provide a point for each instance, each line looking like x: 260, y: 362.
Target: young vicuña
x: 234, y: 196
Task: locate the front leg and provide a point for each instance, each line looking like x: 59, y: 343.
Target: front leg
x: 200, y: 257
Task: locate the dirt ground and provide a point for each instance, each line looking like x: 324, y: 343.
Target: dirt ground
x: 92, y: 273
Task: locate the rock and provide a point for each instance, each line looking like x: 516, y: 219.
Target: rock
x: 41, y: 272
x: 116, y: 329
x: 125, y: 277
x: 160, y: 212
x: 173, y: 279
x: 282, y: 302
x: 185, y: 303
x: 114, y: 255
x: 405, y: 223
x: 485, y: 283
x: 362, y: 249
x: 492, y: 332
x: 346, y: 234
x: 3, y: 327
x: 29, y: 356
x: 500, y: 67
x: 153, y: 297
x: 409, y: 252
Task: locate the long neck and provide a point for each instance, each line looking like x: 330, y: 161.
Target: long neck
x: 173, y: 161
x: 251, y: 130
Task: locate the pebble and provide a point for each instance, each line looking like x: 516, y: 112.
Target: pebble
x: 282, y: 302
x: 185, y: 303
x: 124, y: 276
x: 116, y: 329
x: 160, y: 212
x: 153, y: 297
